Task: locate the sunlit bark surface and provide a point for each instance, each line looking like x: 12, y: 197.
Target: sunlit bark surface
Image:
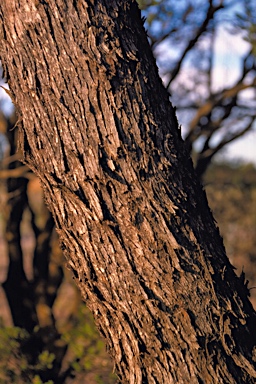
x: 96, y: 126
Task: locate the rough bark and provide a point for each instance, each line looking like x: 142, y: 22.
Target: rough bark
x: 97, y: 127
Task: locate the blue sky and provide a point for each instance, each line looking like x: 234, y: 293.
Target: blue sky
x: 227, y: 69
x: 229, y: 49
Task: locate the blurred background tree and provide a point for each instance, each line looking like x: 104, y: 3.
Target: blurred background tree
x: 190, y: 39
x: 46, y: 333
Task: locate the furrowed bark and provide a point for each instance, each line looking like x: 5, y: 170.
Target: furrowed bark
x: 97, y: 127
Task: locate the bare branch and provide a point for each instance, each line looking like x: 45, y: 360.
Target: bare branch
x: 22, y: 171
x: 231, y: 137
x: 10, y: 159
x: 210, y: 14
x: 204, y: 158
x: 216, y: 100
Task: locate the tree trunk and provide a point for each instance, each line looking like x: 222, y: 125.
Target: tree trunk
x: 97, y: 127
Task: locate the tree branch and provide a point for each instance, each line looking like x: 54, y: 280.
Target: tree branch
x: 210, y: 14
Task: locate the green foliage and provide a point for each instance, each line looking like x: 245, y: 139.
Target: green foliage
x: 14, y: 365
x: 86, y: 350
x: 37, y: 380
x: 85, y: 355
x: 45, y: 359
